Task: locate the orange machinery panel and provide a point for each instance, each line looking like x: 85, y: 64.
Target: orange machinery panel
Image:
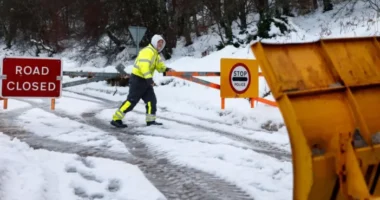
x: 328, y: 92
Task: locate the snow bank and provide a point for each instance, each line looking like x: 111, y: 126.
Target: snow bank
x: 41, y: 174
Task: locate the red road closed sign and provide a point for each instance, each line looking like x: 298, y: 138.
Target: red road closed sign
x: 31, y: 77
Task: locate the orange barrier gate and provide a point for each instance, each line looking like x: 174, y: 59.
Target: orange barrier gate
x: 190, y: 77
x: 238, y: 77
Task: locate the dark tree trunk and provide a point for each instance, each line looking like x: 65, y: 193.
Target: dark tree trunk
x: 195, y: 22
x: 327, y: 5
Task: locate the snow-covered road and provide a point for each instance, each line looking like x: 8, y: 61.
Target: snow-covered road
x: 185, y: 159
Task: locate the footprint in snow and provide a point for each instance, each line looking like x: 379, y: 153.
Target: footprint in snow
x: 88, y: 175
x: 80, y: 192
x: 86, y: 162
x: 114, y: 185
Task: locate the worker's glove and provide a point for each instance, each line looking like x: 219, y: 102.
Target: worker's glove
x: 150, y: 81
x: 168, y: 70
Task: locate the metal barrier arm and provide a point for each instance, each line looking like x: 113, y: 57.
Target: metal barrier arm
x: 80, y: 82
x: 182, y: 74
x: 104, y: 75
x: 186, y: 74
x: 94, y: 76
x: 200, y: 81
x: 189, y: 76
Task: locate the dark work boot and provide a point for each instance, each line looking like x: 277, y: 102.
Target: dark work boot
x: 118, y: 124
x: 153, y: 123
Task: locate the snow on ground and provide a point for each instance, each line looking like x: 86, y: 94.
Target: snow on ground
x: 42, y: 174
x: 261, y: 176
x: 348, y: 19
x: 13, y: 104
x: 218, y: 155
x: 187, y: 132
x: 55, y: 127
x: 75, y: 106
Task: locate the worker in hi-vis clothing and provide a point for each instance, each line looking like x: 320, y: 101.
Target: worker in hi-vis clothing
x: 141, y: 83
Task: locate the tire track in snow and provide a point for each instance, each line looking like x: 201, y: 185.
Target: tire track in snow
x: 263, y: 146
x: 163, y: 109
x: 174, y: 181
x: 134, y: 132
x: 44, y: 106
x: 38, y: 142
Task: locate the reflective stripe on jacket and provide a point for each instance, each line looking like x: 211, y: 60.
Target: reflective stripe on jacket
x: 147, y: 61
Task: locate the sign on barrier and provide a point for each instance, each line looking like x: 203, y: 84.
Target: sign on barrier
x: 239, y: 78
x: 31, y: 77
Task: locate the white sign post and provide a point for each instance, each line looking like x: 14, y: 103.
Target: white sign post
x: 137, y: 33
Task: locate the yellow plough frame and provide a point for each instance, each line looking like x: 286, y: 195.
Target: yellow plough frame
x: 328, y: 92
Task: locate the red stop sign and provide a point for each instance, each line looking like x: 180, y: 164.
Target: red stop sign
x: 31, y: 77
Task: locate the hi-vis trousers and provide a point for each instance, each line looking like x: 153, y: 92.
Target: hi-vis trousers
x: 138, y: 89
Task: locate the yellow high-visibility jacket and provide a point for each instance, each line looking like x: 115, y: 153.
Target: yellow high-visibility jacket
x: 147, y: 61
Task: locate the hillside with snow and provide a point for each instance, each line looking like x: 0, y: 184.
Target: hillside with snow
x: 240, y: 152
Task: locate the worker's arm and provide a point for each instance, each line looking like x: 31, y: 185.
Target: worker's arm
x: 161, y: 67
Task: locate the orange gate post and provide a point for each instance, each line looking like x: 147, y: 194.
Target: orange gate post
x: 5, y: 103
x: 52, y: 104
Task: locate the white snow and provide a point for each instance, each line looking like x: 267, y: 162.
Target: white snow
x: 189, y: 132
x: 218, y: 155
x: 13, y: 104
x: 54, y: 127
x: 352, y: 20
x: 191, y: 114
x: 76, y: 106
x: 186, y: 132
x: 262, y: 176
x: 31, y: 174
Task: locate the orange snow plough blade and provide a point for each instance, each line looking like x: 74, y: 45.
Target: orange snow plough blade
x: 328, y: 92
